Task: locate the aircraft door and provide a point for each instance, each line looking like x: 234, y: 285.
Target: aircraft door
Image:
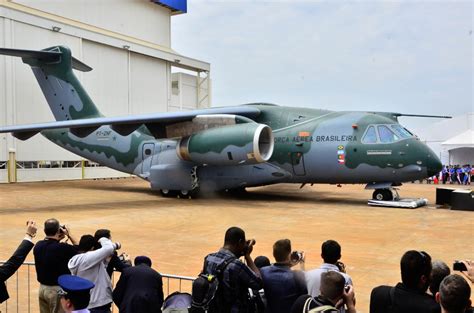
x: 297, y: 160
x: 147, y: 156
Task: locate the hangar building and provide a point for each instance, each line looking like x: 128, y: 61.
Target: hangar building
x: 126, y: 42
x: 451, y: 139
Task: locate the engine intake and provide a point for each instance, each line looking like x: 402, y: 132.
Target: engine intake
x: 248, y: 143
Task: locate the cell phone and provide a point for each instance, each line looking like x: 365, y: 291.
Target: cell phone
x: 459, y: 266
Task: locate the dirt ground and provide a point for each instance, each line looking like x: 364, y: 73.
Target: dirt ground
x: 178, y: 233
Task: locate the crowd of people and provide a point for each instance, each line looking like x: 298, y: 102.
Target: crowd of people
x: 75, y: 276
x: 454, y: 174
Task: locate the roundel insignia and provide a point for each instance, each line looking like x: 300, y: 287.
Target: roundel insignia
x: 340, y: 147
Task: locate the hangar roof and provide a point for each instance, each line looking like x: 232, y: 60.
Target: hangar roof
x: 176, y: 6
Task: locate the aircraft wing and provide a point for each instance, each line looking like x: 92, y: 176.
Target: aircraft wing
x: 156, y: 123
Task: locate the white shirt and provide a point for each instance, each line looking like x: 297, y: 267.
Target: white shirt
x: 313, y: 279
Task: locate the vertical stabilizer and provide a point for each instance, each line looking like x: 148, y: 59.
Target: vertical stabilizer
x: 64, y: 93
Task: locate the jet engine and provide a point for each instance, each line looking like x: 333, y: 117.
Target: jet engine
x: 248, y: 143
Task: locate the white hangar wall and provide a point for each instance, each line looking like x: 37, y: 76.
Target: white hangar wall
x: 127, y: 43
x: 154, y: 25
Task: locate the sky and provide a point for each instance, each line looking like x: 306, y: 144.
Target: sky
x: 411, y: 57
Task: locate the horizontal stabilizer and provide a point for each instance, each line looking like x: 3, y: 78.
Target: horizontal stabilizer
x: 48, y: 56
x: 78, y: 65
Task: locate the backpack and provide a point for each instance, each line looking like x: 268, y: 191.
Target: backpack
x: 177, y: 302
x: 319, y: 309
x: 206, y: 295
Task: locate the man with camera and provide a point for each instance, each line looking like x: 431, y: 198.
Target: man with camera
x: 16, y: 260
x: 115, y: 262
x: 91, y: 264
x: 333, y: 293
x: 237, y: 277
x: 282, y: 285
x: 409, y: 295
x: 51, y: 258
x: 331, y: 254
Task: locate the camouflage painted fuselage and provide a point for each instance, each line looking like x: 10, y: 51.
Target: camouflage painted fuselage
x: 225, y: 148
x: 310, y: 146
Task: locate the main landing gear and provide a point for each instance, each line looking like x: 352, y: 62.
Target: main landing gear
x: 182, y: 194
x: 386, y: 194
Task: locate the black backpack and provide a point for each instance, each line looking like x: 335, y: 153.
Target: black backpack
x: 206, y: 295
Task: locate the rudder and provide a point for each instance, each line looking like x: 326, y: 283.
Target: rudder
x: 52, y: 67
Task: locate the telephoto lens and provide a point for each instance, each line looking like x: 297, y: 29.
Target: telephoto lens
x: 117, y: 246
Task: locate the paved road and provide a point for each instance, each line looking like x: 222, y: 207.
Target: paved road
x: 178, y: 233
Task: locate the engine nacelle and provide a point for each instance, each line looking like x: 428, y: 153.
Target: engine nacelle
x: 247, y: 143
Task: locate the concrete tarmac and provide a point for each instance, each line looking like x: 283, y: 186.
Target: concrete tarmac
x: 178, y: 233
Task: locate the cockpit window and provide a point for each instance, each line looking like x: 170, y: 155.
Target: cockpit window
x: 370, y: 135
x: 386, y: 135
x: 400, y: 131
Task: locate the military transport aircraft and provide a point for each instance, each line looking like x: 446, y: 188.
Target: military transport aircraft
x: 227, y: 148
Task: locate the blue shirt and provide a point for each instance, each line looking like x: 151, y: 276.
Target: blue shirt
x: 282, y: 287
x: 237, y: 278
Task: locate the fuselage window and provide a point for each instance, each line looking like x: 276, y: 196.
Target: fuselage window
x: 370, y: 135
x: 386, y: 135
x: 400, y: 131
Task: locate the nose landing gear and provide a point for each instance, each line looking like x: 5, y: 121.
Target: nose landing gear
x: 386, y: 194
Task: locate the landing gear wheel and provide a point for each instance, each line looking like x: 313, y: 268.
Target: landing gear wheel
x: 236, y: 191
x: 382, y: 195
x: 168, y: 193
x: 185, y: 194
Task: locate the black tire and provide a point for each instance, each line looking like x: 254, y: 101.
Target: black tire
x: 168, y: 193
x: 382, y: 195
x: 237, y: 191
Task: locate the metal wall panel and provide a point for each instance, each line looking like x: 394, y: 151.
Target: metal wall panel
x: 3, y: 108
x: 107, y: 83
x: 149, y: 84
x: 136, y: 18
x: 30, y: 104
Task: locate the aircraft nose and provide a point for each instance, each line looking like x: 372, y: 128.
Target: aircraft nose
x: 433, y: 164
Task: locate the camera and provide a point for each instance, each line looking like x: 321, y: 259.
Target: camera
x: 117, y: 245
x: 459, y: 266
x: 248, y: 244
x: 296, y: 256
x: 341, y: 266
x: 62, y: 229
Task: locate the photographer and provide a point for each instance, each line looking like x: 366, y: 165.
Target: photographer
x: 237, y: 277
x: 17, y: 259
x: 282, y: 285
x: 51, y: 258
x: 333, y: 292
x: 331, y: 254
x: 409, y: 295
x: 91, y: 264
x: 115, y: 262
